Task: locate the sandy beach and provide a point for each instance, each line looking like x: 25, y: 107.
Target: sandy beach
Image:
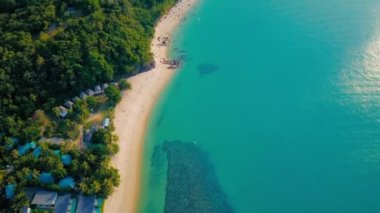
x: 132, y: 114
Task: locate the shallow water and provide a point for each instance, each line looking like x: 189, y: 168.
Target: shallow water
x: 284, y: 97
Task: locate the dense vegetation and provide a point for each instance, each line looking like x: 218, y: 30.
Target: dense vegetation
x: 89, y: 169
x: 50, y: 50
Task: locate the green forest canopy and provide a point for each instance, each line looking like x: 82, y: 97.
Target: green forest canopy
x: 52, y: 49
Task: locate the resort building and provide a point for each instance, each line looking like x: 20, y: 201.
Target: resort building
x: 86, y: 204
x: 106, y: 123
x: 68, y: 104
x: 104, y: 86
x: 83, y: 95
x: 75, y: 99
x: 44, y: 199
x: 25, y: 210
x: 62, y: 111
x: 98, y: 90
x: 63, y: 204
x: 90, y: 92
x: 87, y: 135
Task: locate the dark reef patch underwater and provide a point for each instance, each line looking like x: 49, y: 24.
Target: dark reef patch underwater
x: 192, y: 185
x: 207, y: 69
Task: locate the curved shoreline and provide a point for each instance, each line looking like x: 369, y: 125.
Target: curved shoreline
x: 133, y: 112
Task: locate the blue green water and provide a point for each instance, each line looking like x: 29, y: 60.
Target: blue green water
x: 284, y: 97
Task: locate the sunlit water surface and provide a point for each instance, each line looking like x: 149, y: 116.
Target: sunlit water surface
x: 284, y: 98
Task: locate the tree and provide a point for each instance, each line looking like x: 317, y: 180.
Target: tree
x: 7, y: 5
x: 32, y: 131
x: 35, y: 176
x: 124, y: 85
x: 59, y: 171
x: 111, y: 179
x: 68, y: 129
x: 22, y: 175
x: 80, y: 112
x: 19, y: 201
x: 2, y: 174
x: 49, y: 53
x: 102, y: 136
x: 49, y: 162
x: 91, y: 102
x: 113, y: 95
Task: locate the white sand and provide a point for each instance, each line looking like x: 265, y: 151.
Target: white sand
x: 132, y: 113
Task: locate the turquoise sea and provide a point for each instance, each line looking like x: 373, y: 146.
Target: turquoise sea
x: 276, y: 110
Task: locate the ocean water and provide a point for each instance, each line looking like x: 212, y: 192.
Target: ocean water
x: 281, y: 100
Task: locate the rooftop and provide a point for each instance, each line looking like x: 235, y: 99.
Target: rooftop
x: 85, y: 204
x: 75, y: 99
x: 90, y: 92
x: 62, y: 111
x: 106, y: 122
x: 25, y: 210
x: 45, y: 198
x: 104, y: 86
x: 98, y: 90
x: 68, y: 104
x: 62, y: 203
x: 83, y: 95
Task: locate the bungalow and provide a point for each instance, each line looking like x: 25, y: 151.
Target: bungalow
x: 86, y: 204
x: 75, y: 99
x: 94, y: 127
x: 104, y: 86
x: 44, y: 199
x: 62, y: 203
x: 90, y: 92
x: 8, y: 169
x: 68, y: 104
x: 87, y: 135
x: 62, y: 111
x: 98, y: 90
x: 25, y: 210
x: 106, y: 123
x: 83, y: 95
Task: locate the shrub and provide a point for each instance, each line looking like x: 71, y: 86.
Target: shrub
x: 124, y: 85
x: 113, y: 95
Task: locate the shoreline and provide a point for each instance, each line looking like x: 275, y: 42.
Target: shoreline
x: 134, y: 110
